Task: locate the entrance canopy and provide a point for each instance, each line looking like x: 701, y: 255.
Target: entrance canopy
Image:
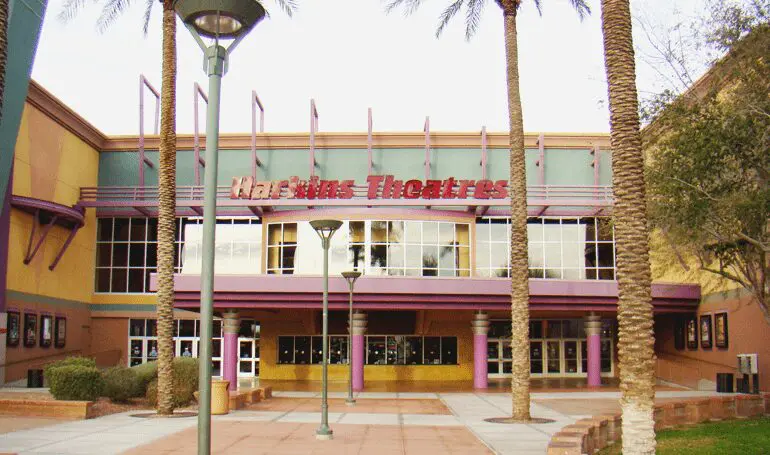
x: 402, y: 293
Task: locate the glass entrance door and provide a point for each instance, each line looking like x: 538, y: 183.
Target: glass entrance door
x: 499, y: 359
x: 248, y: 357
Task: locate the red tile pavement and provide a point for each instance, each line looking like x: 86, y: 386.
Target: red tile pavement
x: 252, y: 438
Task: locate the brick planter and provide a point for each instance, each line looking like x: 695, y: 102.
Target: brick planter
x: 722, y: 408
x: 749, y: 406
x: 674, y: 414
x: 589, y: 435
x: 698, y: 411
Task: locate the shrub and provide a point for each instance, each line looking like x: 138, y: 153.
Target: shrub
x: 145, y: 373
x: 120, y: 384
x: 152, y: 393
x: 75, y: 382
x: 76, y: 361
x: 185, y: 382
x: 185, y: 379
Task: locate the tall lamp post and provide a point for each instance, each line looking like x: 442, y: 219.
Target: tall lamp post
x: 228, y: 20
x: 325, y: 230
x: 351, y: 278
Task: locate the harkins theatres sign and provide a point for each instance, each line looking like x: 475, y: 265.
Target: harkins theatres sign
x: 378, y: 187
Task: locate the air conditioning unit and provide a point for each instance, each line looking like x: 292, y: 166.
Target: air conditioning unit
x: 747, y: 364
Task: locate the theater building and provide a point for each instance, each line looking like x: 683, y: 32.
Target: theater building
x: 425, y: 219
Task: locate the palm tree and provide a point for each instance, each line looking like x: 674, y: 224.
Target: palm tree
x: 635, y: 337
x: 518, y: 182
x: 111, y: 10
x: 3, y: 49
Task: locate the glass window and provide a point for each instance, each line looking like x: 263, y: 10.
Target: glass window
x: 317, y: 354
x: 568, y: 248
x: 285, y: 350
x: 432, y: 351
x: 338, y: 350
x: 448, y: 350
x: 281, y: 248
x: 375, y: 350
x: 413, y: 350
x: 302, y: 350
x: 187, y: 328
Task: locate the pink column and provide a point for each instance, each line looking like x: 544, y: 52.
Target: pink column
x: 230, y: 326
x: 480, y: 327
x: 593, y: 327
x: 357, y: 349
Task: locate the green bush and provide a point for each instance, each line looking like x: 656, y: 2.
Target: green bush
x: 145, y: 373
x: 75, y: 382
x: 120, y: 384
x: 152, y: 393
x: 69, y: 361
x: 185, y: 382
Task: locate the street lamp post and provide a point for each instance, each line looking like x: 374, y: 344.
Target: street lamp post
x: 228, y: 20
x: 325, y: 230
x: 351, y: 278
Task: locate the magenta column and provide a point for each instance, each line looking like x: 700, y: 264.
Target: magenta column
x: 230, y: 326
x: 358, y: 349
x: 480, y: 327
x: 593, y: 327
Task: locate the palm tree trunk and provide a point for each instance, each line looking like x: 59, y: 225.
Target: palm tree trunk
x: 167, y: 213
x: 519, y: 259
x: 3, y: 49
x: 635, y: 336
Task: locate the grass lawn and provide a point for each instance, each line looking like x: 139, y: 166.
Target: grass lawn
x: 744, y: 437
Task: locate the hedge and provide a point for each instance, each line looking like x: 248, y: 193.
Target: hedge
x: 120, y: 384
x: 77, y: 361
x: 75, y: 382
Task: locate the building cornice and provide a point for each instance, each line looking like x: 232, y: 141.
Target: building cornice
x: 395, y: 140
x: 59, y: 112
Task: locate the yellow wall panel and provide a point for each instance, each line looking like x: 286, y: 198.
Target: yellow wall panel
x: 52, y: 164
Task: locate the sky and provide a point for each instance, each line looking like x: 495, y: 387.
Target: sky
x: 348, y: 55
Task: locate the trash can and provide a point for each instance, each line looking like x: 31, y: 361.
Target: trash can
x: 725, y: 382
x: 220, y: 397
x: 34, y: 378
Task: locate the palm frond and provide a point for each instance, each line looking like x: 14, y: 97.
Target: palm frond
x: 410, y: 6
x: 110, y: 12
x: 70, y: 9
x: 447, y: 15
x: 288, y: 6
x: 581, y: 7
x: 147, y: 15
x: 473, y: 17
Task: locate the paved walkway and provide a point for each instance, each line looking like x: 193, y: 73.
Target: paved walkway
x: 120, y: 432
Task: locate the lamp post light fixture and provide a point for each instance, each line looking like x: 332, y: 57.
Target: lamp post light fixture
x: 351, y: 278
x: 219, y: 20
x: 325, y: 230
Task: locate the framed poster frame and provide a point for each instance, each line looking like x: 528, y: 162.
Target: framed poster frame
x: 721, y: 336
x: 46, y: 330
x: 60, y: 332
x: 706, y: 331
x: 13, y: 325
x: 30, y: 329
x: 692, y: 333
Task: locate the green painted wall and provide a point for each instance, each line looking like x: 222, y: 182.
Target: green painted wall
x: 562, y: 166
x: 24, y: 21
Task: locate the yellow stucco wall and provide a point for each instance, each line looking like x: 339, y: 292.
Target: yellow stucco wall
x: 667, y: 267
x: 52, y: 164
x: 429, y: 323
